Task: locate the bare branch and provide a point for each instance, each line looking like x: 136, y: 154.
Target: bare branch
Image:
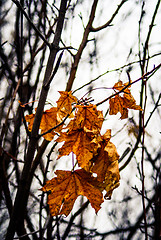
x: 84, y: 206
x: 77, y: 57
x: 108, y: 23
x: 149, y: 34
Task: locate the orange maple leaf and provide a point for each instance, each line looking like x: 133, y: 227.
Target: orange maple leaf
x: 121, y: 104
x: 88, y: 117
x: 111, y: 179
x: 64, y: 104
x: 30, y: 120
x: 103, y: 160
x: 105, y: 165
x: 81, y: 142
x: 67, y: 186
x: 48, y: 121
x: 107, y: 154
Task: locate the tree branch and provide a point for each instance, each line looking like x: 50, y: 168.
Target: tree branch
x: 65, y: 235
x: 77, y: 57
x: 145, y: 50
x: 108, y: 23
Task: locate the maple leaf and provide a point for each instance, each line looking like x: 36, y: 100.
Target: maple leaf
x: 117, y: 105
x: 88, y: 117
x: 103, y: 160
x: 119, y: 86
x: 67, y: 186
x: 81, y: 142
x: 48, y: 121
x: 64, y: 104
x: 107, y: 154
x: 121, y: 104
x: 30, y: 120
x: 105, y: 165
x: 111, y: 179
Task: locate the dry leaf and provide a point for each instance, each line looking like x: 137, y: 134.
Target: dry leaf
x: 30, y: 120
x: 48, y: 121
x: 94, y: 153
x: 107, y: 154
x: 117, y: 105
x: 88, y: 117
x: 121, y: 104
x: 81, y: 142
x: 64, y: 104
x: 112, y: 179
x: 67, y: 186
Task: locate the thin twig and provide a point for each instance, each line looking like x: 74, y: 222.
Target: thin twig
x: 142, y: 165
x: 55, y: 70
x: 5, y: 125
x: 113, y: 70
x: 155, y: 107
x: 27, y: 234
x: 149, y: 33
x: 84, y: 206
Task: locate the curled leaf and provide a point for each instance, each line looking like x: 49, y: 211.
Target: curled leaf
x: 122, y: 104
x: 107, y: 154
x: 112, y: 178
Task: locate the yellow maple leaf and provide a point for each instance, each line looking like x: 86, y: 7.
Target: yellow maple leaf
x: 121, y: 104
x: 48, y: 121
x: 81, y: 142
x: 107, y: 154
x: 119, y: 85
x: 67, y: 186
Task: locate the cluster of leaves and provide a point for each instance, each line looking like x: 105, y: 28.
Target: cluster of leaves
x: 96, y: 156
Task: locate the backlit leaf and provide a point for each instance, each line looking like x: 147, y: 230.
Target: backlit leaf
x: 122, y: 104
x: 64, y: 104
x: 107, y: 154
x: 81, y: 142
x: 67, y: 186
x: 48, y: 121
x: 112, y: 179
x: 30, y: 120
x: 88, y: 117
